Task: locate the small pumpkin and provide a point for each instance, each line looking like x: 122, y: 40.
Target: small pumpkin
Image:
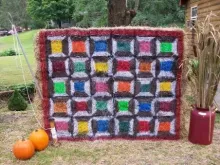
x: 40, y: 139
x: 23, y: 149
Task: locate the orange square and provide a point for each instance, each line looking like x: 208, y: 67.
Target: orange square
x: 60, y: 107
x: 164, y: 126
x: 145, y: 67
x: 124, y: 86
x: 78, y: 47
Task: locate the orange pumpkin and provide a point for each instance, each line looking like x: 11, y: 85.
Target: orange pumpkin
x: 23, y: 149
x: 40, y: 139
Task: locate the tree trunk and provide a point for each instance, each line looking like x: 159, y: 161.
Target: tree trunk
x: 118, y: 14
x: 59, y: 23
x: 26, y: 26
x: 136, y: 6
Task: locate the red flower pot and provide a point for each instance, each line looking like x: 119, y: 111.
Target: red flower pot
x: 201, y: 126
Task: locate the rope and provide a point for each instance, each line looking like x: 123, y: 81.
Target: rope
x: 18, y: 44
x: 16, y: 54
x: 17, y: 50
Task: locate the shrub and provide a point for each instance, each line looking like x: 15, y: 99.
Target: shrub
x: 8, y: 52
x: 22, y: 89
x: 17, y: 102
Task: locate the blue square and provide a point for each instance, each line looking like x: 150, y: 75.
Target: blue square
x: 102, y: 125
x: 144, y: 107
x: 100, y: 46
x: 79, y: 86
x: 166, y: 65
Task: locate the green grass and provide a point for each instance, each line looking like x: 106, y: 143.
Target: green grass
x: 217, y: 119
x: 10, y: 69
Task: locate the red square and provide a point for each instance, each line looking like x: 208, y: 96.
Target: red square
x: 165, y: 106
x: 81, y: 106
x: 58, y: 66
x: 123, y: 66
x: 143, y: 126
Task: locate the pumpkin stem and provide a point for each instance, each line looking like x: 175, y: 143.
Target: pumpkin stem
x: 23, y: 139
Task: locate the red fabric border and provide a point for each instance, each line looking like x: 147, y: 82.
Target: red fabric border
x: 116, y: 31
x: 180, y: 47
x: 43, y: 65
x: 99, y: 32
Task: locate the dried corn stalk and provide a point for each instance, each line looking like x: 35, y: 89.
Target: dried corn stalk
x: 204, y: 66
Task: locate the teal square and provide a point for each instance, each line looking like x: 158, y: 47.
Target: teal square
x: 145, y: 87
x: 79, y: 67
x: 101, y: 105
x: 59, y: 88
x: 123, y: 46
x: 124, y: 126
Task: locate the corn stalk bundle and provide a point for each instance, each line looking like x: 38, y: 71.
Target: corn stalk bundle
x: 204, y: 66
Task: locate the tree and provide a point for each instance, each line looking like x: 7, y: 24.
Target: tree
x: 127, y: 12
x: 119, y: 14
x: 159, y: 13
x: 17, y: 8
x: 90, y: 13
x: 47, y: 10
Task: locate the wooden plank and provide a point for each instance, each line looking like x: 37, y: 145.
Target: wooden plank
x: 216, y: 19
x: 203, y: 15
x: 217, y: 13
x: 208, y: 9
x: 204, y: 3
x: 192, y: 4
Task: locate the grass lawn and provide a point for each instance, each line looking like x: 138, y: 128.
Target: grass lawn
x: 15, y: 125
x: 10, y: 70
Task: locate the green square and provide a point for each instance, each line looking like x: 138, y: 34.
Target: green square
x: 145, y: 87
x: 166, y: 47
x: 59, y: 87
x: 124, y: 126
x: 123, y: 46
x: 79, y: 67
x: 123, y: 105
x: 101, y: 105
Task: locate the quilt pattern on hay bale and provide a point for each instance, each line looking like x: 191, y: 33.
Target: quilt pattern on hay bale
x: 111, y: 83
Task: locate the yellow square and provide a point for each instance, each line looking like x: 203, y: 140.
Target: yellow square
x: 165, y: 86
x: 83, y: 127
x: 56, y: 46
x: 101, y: 67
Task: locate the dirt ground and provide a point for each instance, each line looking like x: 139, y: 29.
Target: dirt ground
x: 15, y: 125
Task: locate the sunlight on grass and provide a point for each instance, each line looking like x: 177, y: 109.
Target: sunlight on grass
x: 10, y: 69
